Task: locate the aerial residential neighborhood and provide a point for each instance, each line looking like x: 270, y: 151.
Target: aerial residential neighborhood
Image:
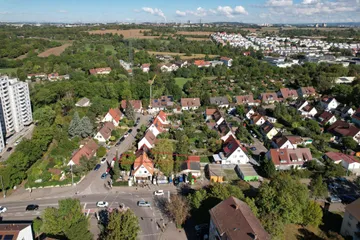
x: 230, y: 120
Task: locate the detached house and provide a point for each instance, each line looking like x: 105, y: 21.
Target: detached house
x: 232, y: 153
x: 306, y: 92
x: 329, y: 103
x: 326, y: 118
x: 349, y: 162
x: 114, y: 115
x: 191, y: 165
x: 246, y: 100
x: 257, y: 119
x: 145, y: 67
x: 190, y: 103
x: 84, y: 102
x: 350, y: 223
x: 269, y: 98
x: 290, y: 142
x: 202, y: 63
x: 105, y: 132
x: 143, y: 168
x: 221, y: 102
x: 306, y: 109
x: 285, y: 159
x: 344, y: 111
x: 148, y: 141
x: 269, y: 130
x: 136, y: 104
x: 169, y: 67
x: 209, y: 113
x: 88, y: 151
x: 227, y: 61
x: 233, y: 219
x: 287, y: 93
x: 343, y: 129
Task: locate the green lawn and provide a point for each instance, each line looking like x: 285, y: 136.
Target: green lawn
x: 181, y: 81
x: 8, y: 70
x: 108, y: 47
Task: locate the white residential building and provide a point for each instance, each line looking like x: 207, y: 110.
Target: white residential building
x: 329, y: 104
x: 351, y: 220
x: 2, y: 141
x: 15, y: 110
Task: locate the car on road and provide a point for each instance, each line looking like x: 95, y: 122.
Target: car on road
x: 2, y: 209
x: 130, y: 131
x: 159, y: 193
x: 117, y: 144
x: 102, y: 204
x: 97, y: 167
x: 144, y: 204
x: 9, y: 149
x: 253, y: 148
x: 254, y: 135
x: 32, y: 207
x: 334, y: 199
x: 126, y: 135
x: 121, y: 139
x: 17, y: 142
x: 103, y: 160
x: 104, y: 175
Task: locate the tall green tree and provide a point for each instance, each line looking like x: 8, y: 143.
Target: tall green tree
x: 178, y: 209
x: 318, y: 187
x: 349, y: 143
x: 74, y: 125
x: 312, y: 214
x: 86, y: 127
x: 121, y: 225
x: 45, y: 116
x: 129, y: 111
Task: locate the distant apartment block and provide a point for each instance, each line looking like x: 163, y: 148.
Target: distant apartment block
x: 15, y: 107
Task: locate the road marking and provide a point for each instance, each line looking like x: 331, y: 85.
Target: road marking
x: 85, y: 206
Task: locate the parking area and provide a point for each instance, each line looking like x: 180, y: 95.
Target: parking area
x: 342, y: 190
x: 257, y: 147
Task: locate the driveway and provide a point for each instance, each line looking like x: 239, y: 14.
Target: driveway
x: 259, y: 147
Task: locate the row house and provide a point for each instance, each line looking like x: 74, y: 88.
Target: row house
x: 104, y: 133
x: 136, y: 104
x: 286, y: 159
x: 306, y: 92
x: 287, y: 93
x: 269, y: 98
x: 100, y: 71
x: 246, y: 100
x: 161, y: 104
x: 190, y: 103
x: 114, y: 115
x: 221, y: 102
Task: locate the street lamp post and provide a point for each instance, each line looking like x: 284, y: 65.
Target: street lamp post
x: 2, y: 184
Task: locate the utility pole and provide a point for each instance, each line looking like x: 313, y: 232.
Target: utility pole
x: 2, y: 184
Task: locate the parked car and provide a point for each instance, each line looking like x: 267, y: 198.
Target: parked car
x: 97, y: 167
x: 17, y: 142
x: 126, y: 135
x: 159, y: 193
x: 103, y: 160
x: 9, y: 149
x: 104, y: 175
x: 130, y: 131
x: 102, y: 204
x: 253, y: 148
x: 348, y: 199
x: 121, y: 139
x: 3, y: 209
x: 144, y: 204
x: 32, y: 207
x: 117, y: 144
x: 334, y: 199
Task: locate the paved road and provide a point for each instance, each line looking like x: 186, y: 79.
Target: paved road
x: 148, y: 217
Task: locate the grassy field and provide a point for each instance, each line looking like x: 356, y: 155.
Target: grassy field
x: 7, y: 70
x: 181, y: 81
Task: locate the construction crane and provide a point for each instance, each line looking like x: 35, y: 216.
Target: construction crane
x: 151, y: 82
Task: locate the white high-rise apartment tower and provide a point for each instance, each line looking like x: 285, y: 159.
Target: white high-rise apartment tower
x: 15, y: 107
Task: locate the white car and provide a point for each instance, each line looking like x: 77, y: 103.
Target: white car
x: 159, y: 193
x: 102, y: 204
x: 103, y: 160
x: 2, y: 209
x: 126, y: 135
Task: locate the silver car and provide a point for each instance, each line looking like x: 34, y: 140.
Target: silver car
x: 144, y: 204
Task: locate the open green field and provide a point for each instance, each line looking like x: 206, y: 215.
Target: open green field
x: 7, y: 70
x: 108, y: 47
x: 181, y: 81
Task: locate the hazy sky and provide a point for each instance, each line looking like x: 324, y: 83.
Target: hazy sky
x: 249, y: 11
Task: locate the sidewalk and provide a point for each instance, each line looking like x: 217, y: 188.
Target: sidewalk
x: 172, y: 233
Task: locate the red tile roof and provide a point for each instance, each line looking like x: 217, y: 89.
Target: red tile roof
x: 137, y: 104
x: 230, y: 145
x: 343, y: 129
x: 162, y: 116
x: 95, y: 71
x: 143, y: 160
x: 145, y: 65
x: 308, y: 91
x: 190, y: 102
x: 225, y: 58
x: 210, y: 111
x: 201, y: 63
x: 244, y: 99
x: 337, y: 156
x: 288, y: 93
x: 290, y: 156
x: 325, y: 117
x: 193, y: 158
x: 269, y: 97
x: 88, y: 151
x: 234, y: 220
x: 106, y: 130
x: 115, y: 113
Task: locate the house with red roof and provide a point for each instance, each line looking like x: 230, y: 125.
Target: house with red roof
x: 209, y: 112
x: 306, y: 92
x: 326, y: 118
x: 190, y: 103
x: 246, y: 100
x: 162, y: 103
x: 287, y: 93
x: 349, y: 162
x: 257, y: 119
x: 286, y: 159
x: 136, y: 104
x: 143, y: 168
x: 344, y: 129
x: 233, y: 153
x: 191, y: 165
x: 147, y: 141
x: 201, y: 63
x: 227, y: 61
x: 88, y: 151
x: 287, y: 141
x: 306, y: 109
x: 145, y: 67
x: 104, y: 133
x: 114, y: 115
x: 100, y: 71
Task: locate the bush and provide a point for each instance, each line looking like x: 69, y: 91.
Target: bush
x: 121, y: 183
x: 101, y: 152
x: 52, y: 183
